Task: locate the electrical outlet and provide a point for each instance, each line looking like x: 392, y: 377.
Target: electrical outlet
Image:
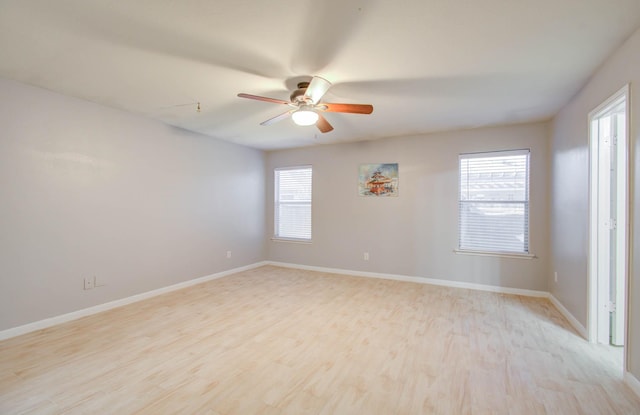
x: 228, y: 254
x: 555, y: 276
x: 88, y: 283
x: 366, y: 256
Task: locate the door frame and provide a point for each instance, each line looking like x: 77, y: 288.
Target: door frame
x: 592, y: 283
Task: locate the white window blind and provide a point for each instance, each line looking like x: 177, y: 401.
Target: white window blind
x: 494, y: 202
x: 293, y: 203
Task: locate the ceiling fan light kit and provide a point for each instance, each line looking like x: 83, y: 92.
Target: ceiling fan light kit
x: 304, y: 116
x: 306, y: 105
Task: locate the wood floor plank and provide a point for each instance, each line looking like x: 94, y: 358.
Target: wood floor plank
x: 279, y: 341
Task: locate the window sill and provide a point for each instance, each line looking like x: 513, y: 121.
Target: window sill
x: 495, y: 254
x: 292, y: 241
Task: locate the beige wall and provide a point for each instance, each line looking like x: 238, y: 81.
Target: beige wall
x: 570, y: 190
x: 413, y: 234
x: 87, y: 190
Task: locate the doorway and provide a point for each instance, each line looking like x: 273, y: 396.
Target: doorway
x: 608, y: 247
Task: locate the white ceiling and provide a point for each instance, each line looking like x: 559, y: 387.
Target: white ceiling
x: 425, y: 65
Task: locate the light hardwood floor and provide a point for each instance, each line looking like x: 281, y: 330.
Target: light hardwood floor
x: 283, y: 341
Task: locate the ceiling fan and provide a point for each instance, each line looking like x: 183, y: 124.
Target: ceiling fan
x: 306, y: 107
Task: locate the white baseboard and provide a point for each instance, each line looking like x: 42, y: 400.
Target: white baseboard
x: 582, y: 331
x: 74, y: 315
x: 419, y: 280
x: 49, y: 322
x: 632, y: 382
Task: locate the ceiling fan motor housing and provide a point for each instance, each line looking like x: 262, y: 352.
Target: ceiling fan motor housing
x: 297, y: 96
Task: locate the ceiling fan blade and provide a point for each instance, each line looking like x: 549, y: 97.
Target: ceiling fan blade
x: 350, y: 108
x: 323, y: 125
x: 266, y: 99
x: 317, y: 88
x: 277, y: 118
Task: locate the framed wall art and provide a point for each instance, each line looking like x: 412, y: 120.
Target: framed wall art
x: 378, y: 180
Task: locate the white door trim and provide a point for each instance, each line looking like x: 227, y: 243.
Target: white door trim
x: 592, y: 283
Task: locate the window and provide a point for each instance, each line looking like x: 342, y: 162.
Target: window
x: 293, y: 203
x: 494, y: 202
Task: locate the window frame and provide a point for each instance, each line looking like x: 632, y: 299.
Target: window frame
x: 277, y: 203
x: 526, y: 254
